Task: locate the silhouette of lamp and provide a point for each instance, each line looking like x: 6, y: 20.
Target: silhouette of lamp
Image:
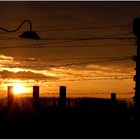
x: 27, y: 34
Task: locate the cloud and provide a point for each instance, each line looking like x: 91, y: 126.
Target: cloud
x: 25, y: 75
x: 92, y: 70
x: 24, y: 69
x: 5, y: 57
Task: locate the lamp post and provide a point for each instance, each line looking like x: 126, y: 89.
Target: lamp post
x: 27, y: 34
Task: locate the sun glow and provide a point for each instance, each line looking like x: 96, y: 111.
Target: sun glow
x: 18, y: 89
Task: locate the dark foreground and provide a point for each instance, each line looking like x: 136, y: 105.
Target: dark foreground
x: 101, y: 119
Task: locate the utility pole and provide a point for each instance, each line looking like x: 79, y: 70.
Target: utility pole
x: 136, y: 31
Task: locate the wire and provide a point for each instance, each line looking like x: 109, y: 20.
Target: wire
x: 77, y: 40
x: 127, y: 93
x: 90, y: 37
x: 68, y: 29
x: 85, y: 28
x: 61, y: 59
x: 88, y: 93
x: 65, y: 65
x: 81, y: 46
x: 75, y: 80
x: 85, y: 38
x: 86, y: 46
x: 99, y: 76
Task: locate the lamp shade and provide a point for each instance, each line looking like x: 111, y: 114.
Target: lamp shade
x: 30, y: 35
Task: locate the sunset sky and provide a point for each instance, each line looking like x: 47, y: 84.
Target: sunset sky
x: 77, y: 47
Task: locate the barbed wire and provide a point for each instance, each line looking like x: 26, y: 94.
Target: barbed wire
x: 89, y: 27
x: 80, y: 38
x: 118, y: 75
x: 86, y: 93
x: 70, y: 80
x: 78, y: 28
x: 68, y: 64
x: 75, y: 39
x: 65, y: 46
x: 67, y: 58
x: 82, y: 93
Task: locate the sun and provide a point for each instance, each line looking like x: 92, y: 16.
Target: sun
x: 18, y: 89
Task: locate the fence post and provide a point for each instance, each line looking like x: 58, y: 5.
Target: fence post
x: 36, y: 97
x: 62, y: 96
x: 113, y: 97
x: 10, y: 97
x: 113, y: 102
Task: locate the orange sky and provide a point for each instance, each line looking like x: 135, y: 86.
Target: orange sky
x: 58, y: 58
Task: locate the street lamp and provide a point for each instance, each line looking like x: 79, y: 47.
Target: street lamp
x: 27, y: 34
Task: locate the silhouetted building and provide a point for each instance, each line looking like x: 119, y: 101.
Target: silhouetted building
x: 10, y: 97
x: 35, y: 96
x: 62, y: 96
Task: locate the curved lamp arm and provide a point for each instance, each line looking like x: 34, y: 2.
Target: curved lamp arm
x: 28, y: 21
